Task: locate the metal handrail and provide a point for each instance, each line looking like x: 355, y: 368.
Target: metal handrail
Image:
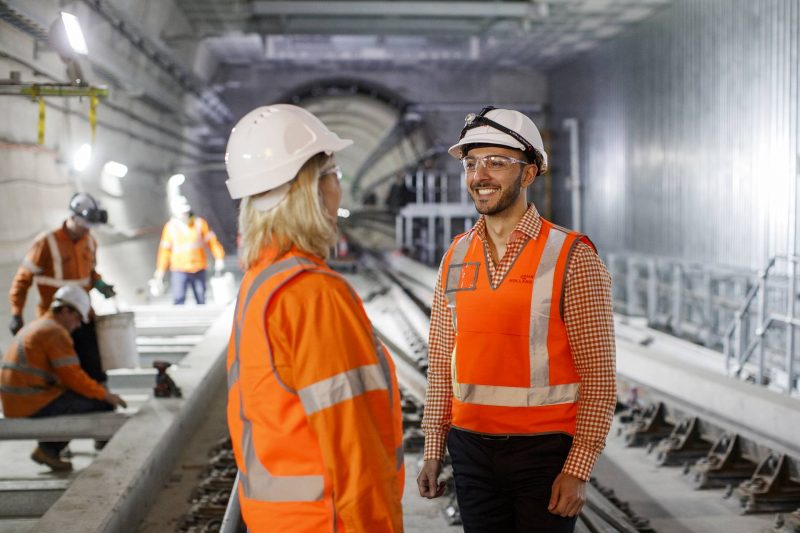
x: 764, y: 322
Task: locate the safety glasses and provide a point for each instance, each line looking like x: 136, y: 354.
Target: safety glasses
x: 492, y: 163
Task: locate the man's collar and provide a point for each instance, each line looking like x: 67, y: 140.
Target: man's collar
x: 529, y: 225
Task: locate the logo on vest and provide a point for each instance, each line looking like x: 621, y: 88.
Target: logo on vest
x: 524, y: 278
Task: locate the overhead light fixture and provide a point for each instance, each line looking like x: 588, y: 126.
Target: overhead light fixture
x: 118, y: 170
x: 82, y: 158
x: 74, y: 33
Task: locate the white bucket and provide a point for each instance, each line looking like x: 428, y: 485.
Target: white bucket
x: 223, y: 288
x: 116, y: 338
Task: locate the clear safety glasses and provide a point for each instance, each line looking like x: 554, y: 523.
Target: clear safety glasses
x: 492, y: 163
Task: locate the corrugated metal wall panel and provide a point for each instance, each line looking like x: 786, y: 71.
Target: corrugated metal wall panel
x: 689, y: 132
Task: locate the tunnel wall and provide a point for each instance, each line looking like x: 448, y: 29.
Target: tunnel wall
x: 689, y: 132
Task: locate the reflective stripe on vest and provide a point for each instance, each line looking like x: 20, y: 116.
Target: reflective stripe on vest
x: 58, y: 267
x: 65, y: 361
x: 31, y: 266
x: 177, y: 233
x: 540, y: 391
x: 258, y: 483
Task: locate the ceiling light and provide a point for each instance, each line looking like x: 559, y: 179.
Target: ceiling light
x: 118, y: 170
x: 74, y: 33
x: 82, y: 158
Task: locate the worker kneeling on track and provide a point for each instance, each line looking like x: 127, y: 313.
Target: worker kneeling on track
x: 41, y: 375
x: 313, y: 403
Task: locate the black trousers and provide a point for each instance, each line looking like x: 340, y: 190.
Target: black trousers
x: 503, y: 484
x: 69, y: 403
x: 85, y: 340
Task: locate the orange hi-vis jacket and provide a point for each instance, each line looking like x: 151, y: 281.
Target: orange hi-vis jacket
x: 39, y: 366
x: 313, y: 404
x: 54, y: 260
x: 182, y: 246
x: 513, y: 372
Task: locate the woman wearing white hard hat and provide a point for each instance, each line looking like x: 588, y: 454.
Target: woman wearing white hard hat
x: 313, y: 403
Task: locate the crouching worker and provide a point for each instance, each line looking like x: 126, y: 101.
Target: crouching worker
x: 41, y: 375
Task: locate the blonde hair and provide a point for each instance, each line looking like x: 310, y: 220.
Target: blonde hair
x: 298, y: 220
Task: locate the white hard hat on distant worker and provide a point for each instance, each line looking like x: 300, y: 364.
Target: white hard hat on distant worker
x: 87, y: 210
x: 267, y: 148
x: 179, y: 205
x: 74, y: 297
x: 501, y: 127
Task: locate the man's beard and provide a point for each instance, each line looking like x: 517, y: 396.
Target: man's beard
x: 507, y: 198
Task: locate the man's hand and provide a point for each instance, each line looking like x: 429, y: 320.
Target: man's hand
x: 567, y: 495
x: 16, y: 324
x: 114, y: 400
x: 428, y: 479
x: 219, y: 266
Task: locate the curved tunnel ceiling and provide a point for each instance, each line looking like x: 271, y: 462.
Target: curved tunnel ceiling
x: 376, y: 121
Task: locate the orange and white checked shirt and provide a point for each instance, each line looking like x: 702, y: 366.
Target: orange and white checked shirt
x: 589, y: 320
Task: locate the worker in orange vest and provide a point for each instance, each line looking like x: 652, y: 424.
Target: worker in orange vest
x: 41, y: 375
x: 182, y: 250
x: 65, y: 256
x: 521, y: 378
x: 313, y: 404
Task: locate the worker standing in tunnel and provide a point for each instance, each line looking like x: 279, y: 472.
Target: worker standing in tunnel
x: 182, y: 251
x: 313, y: 402
x: 521, y: 378
x: 65, y: 256
x: 41, y: 375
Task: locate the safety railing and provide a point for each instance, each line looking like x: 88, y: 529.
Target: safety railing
x: 765, y: 326
x: 687, y: 299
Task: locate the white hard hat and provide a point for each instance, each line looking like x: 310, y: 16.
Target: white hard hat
x: 179, y: 205
x: 501, y: 127
x: 75, y: 297
x: 267, y: 148
x: 87, y: 209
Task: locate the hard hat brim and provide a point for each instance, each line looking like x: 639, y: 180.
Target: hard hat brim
x: 485, y: 135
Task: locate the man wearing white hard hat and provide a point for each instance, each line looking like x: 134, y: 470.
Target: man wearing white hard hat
x: 313, y: 405
x: 65, y: 256
x: 41, y: 375
x: 521, y: 377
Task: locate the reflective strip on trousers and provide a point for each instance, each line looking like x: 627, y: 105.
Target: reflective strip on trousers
x: 258, y: 483
x: 540, y: 391
x: 341, y: 387
x: 55, y: 255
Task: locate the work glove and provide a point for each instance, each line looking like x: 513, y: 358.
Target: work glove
x: 156, y: 284
x: 104, y: 288
x: 219, y: 266
x: 16, y: 324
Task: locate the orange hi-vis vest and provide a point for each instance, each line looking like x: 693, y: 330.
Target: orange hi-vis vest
x: 53, y: 261
x: 513, y: 372
x: 281, y: 436
x: 182, y: 246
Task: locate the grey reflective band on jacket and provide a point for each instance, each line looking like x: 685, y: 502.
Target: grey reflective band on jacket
x: 341, y: 387
x: 55, y: 254
x: 25, y: 369
x: 540, y: 391
x: 258, y: 483
x: 23, y: 391
x: 65, y: 361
